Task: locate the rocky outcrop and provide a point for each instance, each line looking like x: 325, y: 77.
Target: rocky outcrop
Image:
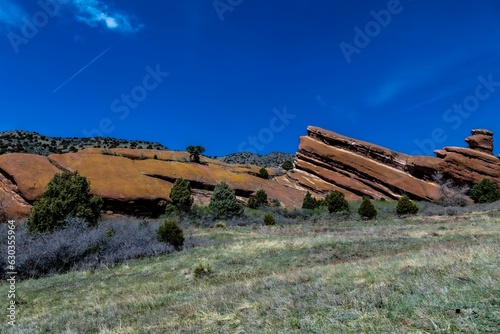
x: 481, y: 140
x: 358, y: 168
x: 135, y: 182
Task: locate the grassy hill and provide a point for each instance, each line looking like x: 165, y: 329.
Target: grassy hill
x: 415, y: 275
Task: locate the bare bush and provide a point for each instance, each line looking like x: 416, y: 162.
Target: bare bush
x: 78, y: 247
x: 451, y: 194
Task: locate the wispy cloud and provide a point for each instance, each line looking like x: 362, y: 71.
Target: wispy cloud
x: 10, y: 13
x: 97, y: 13
x: 388, y: 91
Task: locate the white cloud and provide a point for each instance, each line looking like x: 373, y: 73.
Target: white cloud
x: 11, y: 13
x: 95, y: 13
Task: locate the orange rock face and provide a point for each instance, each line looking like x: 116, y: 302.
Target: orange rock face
x: 359, y: 168
x: 138, y: 182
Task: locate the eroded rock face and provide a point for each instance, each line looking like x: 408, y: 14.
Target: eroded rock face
x: 481, y: 140
x: 138, y: 182
x: 359, y: 168
x: 135, y: 182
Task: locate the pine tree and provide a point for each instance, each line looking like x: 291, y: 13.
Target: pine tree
x: 366, y: 209
x: 181, y: 195
x: 223, y: 202
x: 336, y: 202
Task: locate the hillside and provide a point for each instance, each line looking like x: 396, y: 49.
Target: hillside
x: 273, y: 159
x: 416, y: 275
x: 35, y: 143
x: 138, y: 181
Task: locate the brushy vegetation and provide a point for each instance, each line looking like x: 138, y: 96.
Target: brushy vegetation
x: 78, y: 247
x: 35, y: 143
x: 263, y: 173
x: 413, y: 275
x: 406, y: 206
x: 66, y: 195
x: 367, y: 210
x: 335, y: 202
x: 223, y: 203
x: 485, y: 192
x: 257, y: 200
x: 287, y: 165
x: 311, y: 202
x: 181, y: 195
x: 171, y: 233
x: 269, y: 219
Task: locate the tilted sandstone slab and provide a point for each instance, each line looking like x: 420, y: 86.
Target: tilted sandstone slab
x: 364, y: 170
x: 31, y: 173
x: 136, y: 182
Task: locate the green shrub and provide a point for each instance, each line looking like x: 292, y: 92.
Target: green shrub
x: 336, y: 202
x: 171, y: 233
x: 311, y: 202
x: 194, y: 152
x: 257, y: 200
x: 223, y: 202
x: 171, y: 210
x: 269, y: 219
x: 202, y: 270
x: 275, y: 202
x: 366, y: 209
x: 287, y: 165
x: 485, y: 192
x: 406, y: 206
x: 66, y: 195
x: 220, y: 225
x: 263, y: 173
x: 252, y: 202
x: 181, y: 195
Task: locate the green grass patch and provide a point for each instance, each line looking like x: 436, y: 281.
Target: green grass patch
x: 415, y: 275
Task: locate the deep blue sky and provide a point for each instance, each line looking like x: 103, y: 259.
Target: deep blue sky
x: 230, y: 67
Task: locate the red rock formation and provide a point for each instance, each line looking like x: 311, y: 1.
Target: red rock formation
x: 481, y: 140
x: 359, y: 168
x: 362, y: 169
x: 138, y: 181
x: 133, y: 181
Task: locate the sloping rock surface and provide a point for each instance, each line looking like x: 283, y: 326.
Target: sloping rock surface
x: 138, y: 181
x: 359, y: 168
x: 133, y: 182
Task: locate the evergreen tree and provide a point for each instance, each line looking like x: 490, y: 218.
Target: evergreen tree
x: 194, y: 152
x: 263, y: 173
x: 287, y: 165
x: 366, y: 209
x: 223, y: 202
x: 181, y: 195
x: 485, y: 192
x: 406, y: 206
x: 310, y: 202
x: 66, y: 195
x: 336, y: 202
